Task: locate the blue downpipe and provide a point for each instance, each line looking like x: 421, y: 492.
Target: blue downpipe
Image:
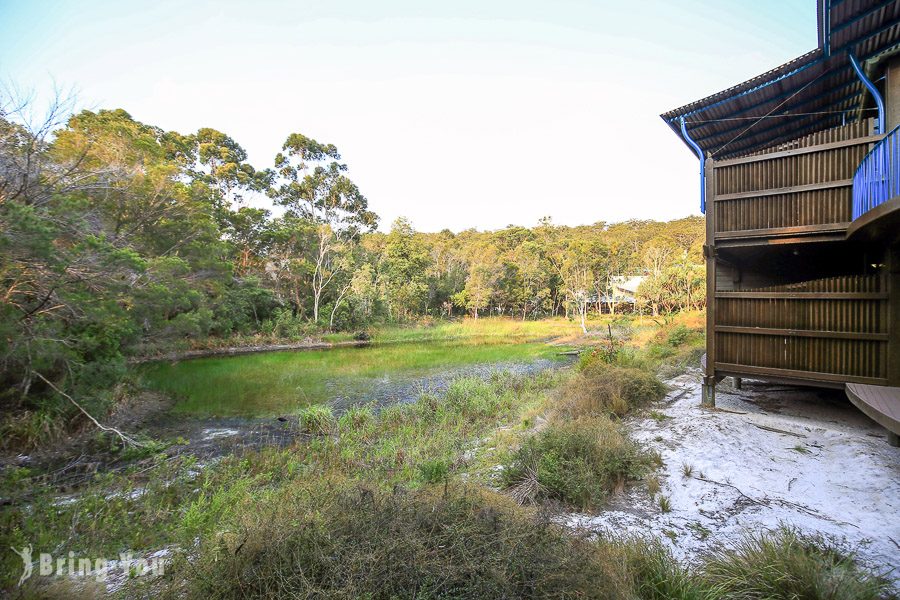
x: 699, y: 152
x: 872, y: 89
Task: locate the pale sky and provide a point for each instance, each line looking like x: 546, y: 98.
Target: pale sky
x: 455, y: 114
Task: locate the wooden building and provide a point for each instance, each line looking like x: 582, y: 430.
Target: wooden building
x: 800, y: 183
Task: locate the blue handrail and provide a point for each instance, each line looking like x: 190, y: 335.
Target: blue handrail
x: 877, y: 178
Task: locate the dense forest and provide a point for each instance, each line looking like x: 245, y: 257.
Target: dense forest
x: 116, y: 235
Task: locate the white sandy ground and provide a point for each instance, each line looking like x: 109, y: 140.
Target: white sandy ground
x: 846, y: 484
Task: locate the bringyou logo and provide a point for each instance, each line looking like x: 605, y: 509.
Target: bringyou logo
x: 100, y: 568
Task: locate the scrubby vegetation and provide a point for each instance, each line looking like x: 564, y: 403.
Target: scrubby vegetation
x: 170, y: 500
x: 600, y: 389
x: 392, y: 504
x: 578, y: 461
x: 582, y: 454
x: 344, y: 540
x: 349, y: 540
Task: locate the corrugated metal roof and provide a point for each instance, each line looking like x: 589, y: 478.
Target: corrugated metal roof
x: 814, y: 91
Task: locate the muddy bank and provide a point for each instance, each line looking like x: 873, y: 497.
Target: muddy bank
x: 313, y: 344
x: 239, y: 350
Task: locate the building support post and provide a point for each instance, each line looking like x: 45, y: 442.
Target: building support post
x: 708, y: 393
x: 709, y: 250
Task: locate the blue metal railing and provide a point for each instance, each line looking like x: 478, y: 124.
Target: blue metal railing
x: 877, y: 178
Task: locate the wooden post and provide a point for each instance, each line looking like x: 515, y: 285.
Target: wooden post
x: 893, y: 317
x: 708, y: 396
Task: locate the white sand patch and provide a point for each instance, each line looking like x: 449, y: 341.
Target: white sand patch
x: 836, y: 476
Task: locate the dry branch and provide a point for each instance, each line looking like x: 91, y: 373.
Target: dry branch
x: 126, y: 439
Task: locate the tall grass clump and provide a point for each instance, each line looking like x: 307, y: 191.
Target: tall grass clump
x: 652, y: 571
x: 357, y: 419
x: 785, y: 564
x: 578, y: 462
x: 341, y: 540
x: 317, y: 419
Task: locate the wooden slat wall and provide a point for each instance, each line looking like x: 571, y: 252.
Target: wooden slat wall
x: 832, y: 167
x: 818, y: 329
x: 830, y: 330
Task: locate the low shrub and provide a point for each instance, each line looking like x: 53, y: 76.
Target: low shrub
x: 601, y: 389
x: 785, y: 564
x: 578, y: 462
x: 337, y: 540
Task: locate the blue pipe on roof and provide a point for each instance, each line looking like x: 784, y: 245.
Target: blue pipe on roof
x: 871, y: 87
x: 699, y: 152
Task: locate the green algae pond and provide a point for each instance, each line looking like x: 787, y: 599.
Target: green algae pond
x: 276, y: 383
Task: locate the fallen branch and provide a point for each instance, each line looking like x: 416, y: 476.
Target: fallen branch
x: 678, y: 396
x: 766, y: 501
x: 126, y: 439
x: 734, y: 487
x: 782, y: 431
x: 733, y: 412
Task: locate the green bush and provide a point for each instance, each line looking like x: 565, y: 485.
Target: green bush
x: 578, y: 462
x: 357, y: 419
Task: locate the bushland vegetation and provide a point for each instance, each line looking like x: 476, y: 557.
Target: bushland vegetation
x: 407, y: 501
x: 120, y: 238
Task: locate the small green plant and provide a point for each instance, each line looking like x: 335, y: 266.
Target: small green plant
x: 317, y: 419
x: 665, y: 504
x: 658, y: 416
x: 701, y: 531
x: 655, y: 573
x: 800, y: 449
x: 653, y: 486
x: 434, y: 471
x: 687, y: 469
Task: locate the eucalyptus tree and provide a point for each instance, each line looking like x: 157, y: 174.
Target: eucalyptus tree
x: 314, y: 187
x: 404, y: 265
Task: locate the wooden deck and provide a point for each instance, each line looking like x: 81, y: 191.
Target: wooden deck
x: 881, y: 404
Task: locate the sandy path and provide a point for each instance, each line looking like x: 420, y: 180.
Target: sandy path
x: 836, y: 475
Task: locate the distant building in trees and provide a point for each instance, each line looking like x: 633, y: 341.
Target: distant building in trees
x: 622, y: 293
